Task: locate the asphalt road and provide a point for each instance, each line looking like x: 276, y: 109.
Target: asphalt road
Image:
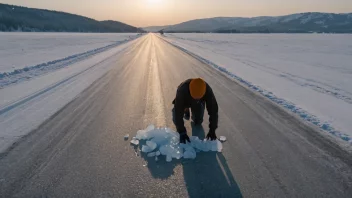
x: 81, y: 152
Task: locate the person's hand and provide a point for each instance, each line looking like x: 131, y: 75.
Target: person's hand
x: 211, y: 135
x: 184, y: 138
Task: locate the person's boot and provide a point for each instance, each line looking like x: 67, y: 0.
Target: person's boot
x: 187, y: 114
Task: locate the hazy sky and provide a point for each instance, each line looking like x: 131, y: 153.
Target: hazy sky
x: 143, y: 13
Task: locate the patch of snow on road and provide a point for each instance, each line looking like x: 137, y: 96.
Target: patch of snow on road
x: 310, y: 75
x: 165, y: 141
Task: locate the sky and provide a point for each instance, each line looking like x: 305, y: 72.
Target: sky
x: 143, y: 13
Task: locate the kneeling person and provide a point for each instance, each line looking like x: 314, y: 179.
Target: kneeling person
x: 195, y: 94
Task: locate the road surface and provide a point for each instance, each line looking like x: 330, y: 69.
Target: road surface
x: 81, y: 152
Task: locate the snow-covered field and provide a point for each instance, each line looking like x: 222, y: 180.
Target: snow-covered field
x: 308, y: 74
x: 50, y: 54
x: 19, y: 50
x: 32, y: 97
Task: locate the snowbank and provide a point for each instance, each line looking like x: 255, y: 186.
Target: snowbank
x: 310, y: 75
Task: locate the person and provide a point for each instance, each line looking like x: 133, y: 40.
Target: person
x: 195, y: 94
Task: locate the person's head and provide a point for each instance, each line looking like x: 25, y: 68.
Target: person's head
x: 197, y: 88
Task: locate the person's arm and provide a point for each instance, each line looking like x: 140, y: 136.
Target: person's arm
x: 179, y: 112
x: 212, y: 108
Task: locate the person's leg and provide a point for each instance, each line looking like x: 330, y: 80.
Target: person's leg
x: 198, y: 113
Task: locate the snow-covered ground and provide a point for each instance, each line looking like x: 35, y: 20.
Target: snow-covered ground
x: 310, y: 74
x: 25, y: 104
x: 19, y: 50
x: 27, y: 55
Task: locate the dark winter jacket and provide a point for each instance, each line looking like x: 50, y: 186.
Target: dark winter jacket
x: 184, y: 100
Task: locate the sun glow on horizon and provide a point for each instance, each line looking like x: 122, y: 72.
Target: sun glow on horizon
x: 155, y: 6
x: 142, y: 13
x: 153, y: 2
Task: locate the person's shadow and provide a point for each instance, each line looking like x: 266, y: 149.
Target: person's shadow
x: 206, y: 176
x: 209, y: 175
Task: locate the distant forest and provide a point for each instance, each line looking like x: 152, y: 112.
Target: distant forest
x: 16, y: 18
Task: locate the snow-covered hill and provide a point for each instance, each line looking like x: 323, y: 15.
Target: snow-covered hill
x: 23, y: 19
x: 301, y: 22
x: 155, y: 28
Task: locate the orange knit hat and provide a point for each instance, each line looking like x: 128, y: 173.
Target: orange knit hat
x: 197, y: 88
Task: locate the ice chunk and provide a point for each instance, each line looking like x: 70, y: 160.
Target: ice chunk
x: 187, y: 146
x: 165, y: 149
x: 163, y: 137
x: 177, y: 152
x: 146, y: 149
x: 172, y: 149
x: 190, y: 153
x: 165, y: 141
x: 222, y: 138
x: 168, y: 158
x: 214, y: 145
x: 126, y: 136
x: 141, y: 135
x: 152, y: 154
x: 150, y: 127
x: 135, y: 142
x: 152, y: 145
x: 219, y: 145
x: 206, y: 146
x: 146, y: 134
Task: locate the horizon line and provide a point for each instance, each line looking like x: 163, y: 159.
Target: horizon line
x: 46, y: 9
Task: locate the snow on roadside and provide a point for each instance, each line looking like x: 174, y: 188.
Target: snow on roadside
x: 309, y: 75
x: 22, y: 49
x: 24, y: 106
x: 28, y: 72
